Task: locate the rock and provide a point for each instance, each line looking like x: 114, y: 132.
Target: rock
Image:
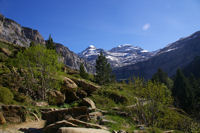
x: 5, y: 51
x: 14, y: 33
x: 85, y: 124
x: 86, y: 86
x: 122, y: 131
x: 69, y: 89
x: 70, y: 96
x: 88, y: 102
x: 47, y: 110
x: 114, y: 131
x: 55, y: 97
x: 53, y: 128
x: 59, y: 115
x: 2, y: 119
x: 95, y: 115
x: 71, y: 59
x: 69, y: 84
x: 41, y: 104
x: 80, y: 130
x: 105, y: 122
x: 104, y: 112
x: 14, y: 113
x: 81, y: 93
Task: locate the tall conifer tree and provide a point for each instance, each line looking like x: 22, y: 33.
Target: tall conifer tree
x: 103, y: 70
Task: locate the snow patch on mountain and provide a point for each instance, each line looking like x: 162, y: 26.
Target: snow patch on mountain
x: 119, y: 56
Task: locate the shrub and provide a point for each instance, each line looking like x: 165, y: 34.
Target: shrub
x: 6, y: 95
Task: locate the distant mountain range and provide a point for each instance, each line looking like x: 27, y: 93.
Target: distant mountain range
x: 122, y: 55
x: 175, y: 55
x: 126, y: 60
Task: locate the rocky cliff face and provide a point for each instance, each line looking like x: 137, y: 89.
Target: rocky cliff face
x: 71, y: 59
x: 176, y: 55
x: 14, y: 33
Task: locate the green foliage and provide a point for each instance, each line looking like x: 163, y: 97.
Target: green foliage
x: 181, y: 91
x: 83, y: 73
x: 171, y: 119
x: 162, y: 77
x: 120, y: 123
x: 193, y: 68
x: 151, y: 98
x: 103, y: 70
x: 39, y: 67
x: 50, y: 44
x: 6, y: 96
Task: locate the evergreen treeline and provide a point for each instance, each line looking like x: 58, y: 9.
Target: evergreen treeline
x: 185, y: 87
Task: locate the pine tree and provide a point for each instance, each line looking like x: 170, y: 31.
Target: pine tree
x: 181, y: 91
x: 83, y: 73
x: 103, y: 70
x: 162, y: 77
x: 50, y: 44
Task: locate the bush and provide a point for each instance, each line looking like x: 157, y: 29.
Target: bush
x: 171, y: 119
x: 6, y: 96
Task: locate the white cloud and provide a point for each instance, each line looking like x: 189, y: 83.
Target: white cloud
x: 146, y: 27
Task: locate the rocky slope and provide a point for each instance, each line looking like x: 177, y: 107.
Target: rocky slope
x: 122, y: 55
x: 71, y: 59
x: 12, y: 32
x: 173, y: 56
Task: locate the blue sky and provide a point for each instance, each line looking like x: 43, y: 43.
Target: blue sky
x: 150, y: 24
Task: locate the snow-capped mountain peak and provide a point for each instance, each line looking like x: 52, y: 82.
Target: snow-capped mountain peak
x: 92, y: 47
x: 122, y: 55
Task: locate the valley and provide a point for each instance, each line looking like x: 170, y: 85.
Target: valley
x: 47, y: 88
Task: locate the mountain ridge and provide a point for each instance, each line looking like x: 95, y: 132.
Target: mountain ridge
x: 176, y: 55
x: 119, y: 56
x: 12, y: 32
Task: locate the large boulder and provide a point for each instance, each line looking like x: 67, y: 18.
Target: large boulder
x: 53, y: 128
x: 86, y: 86
x: 81, y: 93
x: 14, y: 113
x: 56, y: 97
x: 62, y: 114
x: 81, y: 130
x: 2, y: 119
x: 69, y: 88
x: 88, y: 102
x: 70, y: 96
x: 69, y: 84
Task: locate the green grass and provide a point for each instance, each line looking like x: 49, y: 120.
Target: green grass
x: 122, y: 123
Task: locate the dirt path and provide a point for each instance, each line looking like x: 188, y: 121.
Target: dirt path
x: 32, y: 127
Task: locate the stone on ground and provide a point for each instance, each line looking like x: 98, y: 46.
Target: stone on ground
x: 53, y: 128
x: 81, y: 130
x: 55, y: 97
x: 14, y: 113
x: 2, y: 119
x: 88, y: 102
